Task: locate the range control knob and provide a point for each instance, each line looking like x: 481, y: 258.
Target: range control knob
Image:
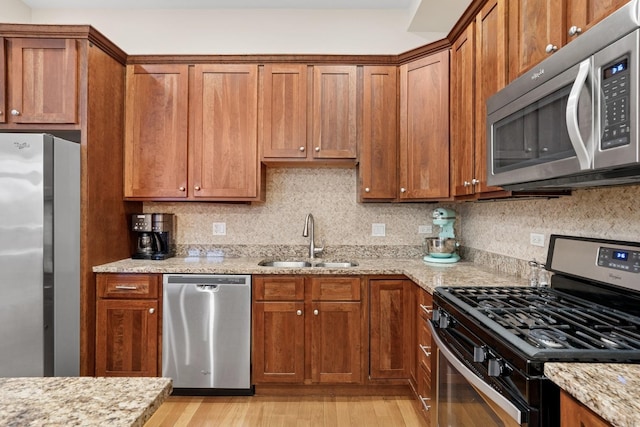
x: 445, y: 321
x: 497, y: 368
x: 479, y: 354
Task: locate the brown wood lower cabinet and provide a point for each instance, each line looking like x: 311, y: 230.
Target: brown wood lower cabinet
x: 391, y: 322
x: 575, y: 414
x: 127, y: 325
x: 424, y: 360
x: 308, y: 330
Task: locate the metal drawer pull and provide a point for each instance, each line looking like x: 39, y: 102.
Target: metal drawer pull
x: 424, y: 402
x: 299, y: 312
x: 152, y: 310
x: 424, y: 349
x: 127, y: 287
x: 427, y: 308
x: 315, y: 312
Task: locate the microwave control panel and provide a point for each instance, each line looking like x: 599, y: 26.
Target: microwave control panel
x: 615, y: 90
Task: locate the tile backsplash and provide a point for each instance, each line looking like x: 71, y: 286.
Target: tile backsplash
x: 496, y: 233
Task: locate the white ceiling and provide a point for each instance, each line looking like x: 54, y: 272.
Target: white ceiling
x: 218, y: 4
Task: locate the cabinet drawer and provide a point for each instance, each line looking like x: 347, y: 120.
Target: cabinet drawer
x: 129, y: 285
x: 335, y: 289
x: 424, y: 345
x: 425, y: 304
x: 278, y: 288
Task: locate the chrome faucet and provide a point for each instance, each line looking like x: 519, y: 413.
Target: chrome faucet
x: 308, y: 225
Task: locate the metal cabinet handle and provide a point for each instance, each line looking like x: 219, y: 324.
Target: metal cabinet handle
x: 466, y: 184
x: 299, y: 312
x: 152, y: 310
x: 197, y: 188
x: 367, y: 190
x: 315, y: 312
x: 424, y: 349
x: 475, y: 181
x: 317, y: 149
x: 0, y: 112
x: 127, y: 287
x: 403, y: 190
x: 424, y: 401
x: 15, y: 112
x: 574, y: 30
x: 426, y: 308
x: 181, y: 188
x: 551, y: 48
x: 301, y: 148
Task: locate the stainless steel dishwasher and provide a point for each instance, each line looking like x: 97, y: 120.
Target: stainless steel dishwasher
x: 206, y: 333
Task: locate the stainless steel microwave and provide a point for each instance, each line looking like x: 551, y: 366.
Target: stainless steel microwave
x: 572, y: 121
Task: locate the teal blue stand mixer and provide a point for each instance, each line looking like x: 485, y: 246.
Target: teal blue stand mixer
x: 442, y: 249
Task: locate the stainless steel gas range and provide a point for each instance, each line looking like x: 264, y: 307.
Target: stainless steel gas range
x: 492, y: 342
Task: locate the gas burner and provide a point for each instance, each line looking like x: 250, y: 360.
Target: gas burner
x: 549, y: 338
x: 490, y: 304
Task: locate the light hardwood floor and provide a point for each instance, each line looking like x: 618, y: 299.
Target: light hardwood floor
x: 299, y: 411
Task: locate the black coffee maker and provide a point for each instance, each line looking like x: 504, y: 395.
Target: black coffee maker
x: 156, y: 234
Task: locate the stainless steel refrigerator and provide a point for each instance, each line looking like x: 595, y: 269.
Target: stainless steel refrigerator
x: 39, y: 255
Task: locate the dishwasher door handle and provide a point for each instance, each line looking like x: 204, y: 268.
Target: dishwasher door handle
x: 208, y: 288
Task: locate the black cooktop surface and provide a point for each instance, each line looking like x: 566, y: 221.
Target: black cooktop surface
x: 546, y: 323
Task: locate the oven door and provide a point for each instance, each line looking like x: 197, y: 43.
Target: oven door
x: 464, y: 399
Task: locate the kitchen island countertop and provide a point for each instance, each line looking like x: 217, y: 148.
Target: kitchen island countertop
x: 80, y: 401
x: 610, y: 390
x: 427, y: 276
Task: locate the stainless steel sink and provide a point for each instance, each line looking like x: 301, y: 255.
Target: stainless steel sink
x: 336, y: 264
x: 294, y: 264
x: 304, y: 264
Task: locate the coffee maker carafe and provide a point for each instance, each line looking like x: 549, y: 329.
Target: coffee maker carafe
x: 155, y: 236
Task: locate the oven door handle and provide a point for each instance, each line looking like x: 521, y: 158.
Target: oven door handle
x: 474, y: 380
x: 581, y: 148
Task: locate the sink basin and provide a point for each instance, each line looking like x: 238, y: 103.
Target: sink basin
x: 294, y: 264
x: 336, y: 264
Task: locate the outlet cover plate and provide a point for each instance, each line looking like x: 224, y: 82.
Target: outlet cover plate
x: 378, y: 230
x: 219, y: 228
x: 536, y: 239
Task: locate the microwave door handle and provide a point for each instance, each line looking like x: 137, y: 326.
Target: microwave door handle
x: 581, y: 149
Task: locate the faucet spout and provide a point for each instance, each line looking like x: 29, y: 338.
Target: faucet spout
x: 310, y: 233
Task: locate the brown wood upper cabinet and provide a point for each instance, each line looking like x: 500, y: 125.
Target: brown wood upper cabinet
x: 308, y: 113
x: 478, y: 70
x: 41, y: 78
x: 201, y: 146
x: 377, y: 169
x: 538, y: 28
x: 424, y: 128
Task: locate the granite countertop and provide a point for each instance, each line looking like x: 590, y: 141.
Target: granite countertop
x: 610, y: 390
x: 427, y: 276
x: 80, y: 401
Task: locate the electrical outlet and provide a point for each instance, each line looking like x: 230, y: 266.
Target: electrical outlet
x: 425, y: 229
x: 378, y: 230
x: 219, y: 228
x: 536, y: 239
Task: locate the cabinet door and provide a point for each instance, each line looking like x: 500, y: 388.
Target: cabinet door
x: 156, y: 131
x: 424, y: 128
x: 378, y: 150
x: 575, y: 414
x: 462, y: 112
x: 390, y: 328
x: 43, y: 80
x: 533, y: 25
x: 583, y: 14
x: 224, y: 159
x: 336, y: 342
x: 127, y: 338
x: 3, y: 82
x: 278, y: 342
x: 284, y: 111
x: 490, y: 76
x: 334, y: 112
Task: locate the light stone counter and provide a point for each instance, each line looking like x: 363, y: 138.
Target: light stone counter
x: 427, y: 276
x: 80, y: 401
x: 610, y: 390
